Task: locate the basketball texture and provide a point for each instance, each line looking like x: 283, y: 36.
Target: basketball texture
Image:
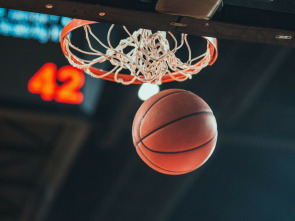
x: 174, y: 132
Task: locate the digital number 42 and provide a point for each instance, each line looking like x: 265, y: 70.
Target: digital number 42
x: 44, y: 82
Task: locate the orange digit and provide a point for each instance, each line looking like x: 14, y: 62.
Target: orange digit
x: 69, y: 92
x: 43, y: 82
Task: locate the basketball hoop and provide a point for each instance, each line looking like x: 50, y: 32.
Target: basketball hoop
x: 150, y: 60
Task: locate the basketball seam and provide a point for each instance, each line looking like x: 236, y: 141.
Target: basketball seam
x: 176, y: 92
x: 171, y: 122
x: 189, y: 115
x: 172, y: 171
x: 182, y: 151
x: 139, y: 126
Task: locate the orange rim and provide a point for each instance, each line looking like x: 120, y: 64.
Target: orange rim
x: 78, y: 23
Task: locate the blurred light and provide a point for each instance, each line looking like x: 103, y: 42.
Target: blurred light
x: 65, y: 20
x: 147, y: 90
x: 31, y: 25
x: 49, y: 6
x: 62, y: 85
x: 2, y: 12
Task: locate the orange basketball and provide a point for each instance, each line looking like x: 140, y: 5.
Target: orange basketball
x: 174, y: 132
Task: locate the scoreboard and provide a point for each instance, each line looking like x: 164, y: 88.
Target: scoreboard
x: 44, y: 82
x: 31, y: 25
x: 33, y: 70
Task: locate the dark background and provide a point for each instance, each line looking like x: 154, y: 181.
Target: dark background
x: 70, y: 162
x: 249, y: 176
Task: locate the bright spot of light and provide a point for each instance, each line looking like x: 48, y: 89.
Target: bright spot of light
x: 147, y: 90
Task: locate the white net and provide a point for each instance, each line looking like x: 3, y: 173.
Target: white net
x: 146, y: 56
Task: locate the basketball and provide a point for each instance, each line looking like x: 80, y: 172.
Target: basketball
x: 174, y: 132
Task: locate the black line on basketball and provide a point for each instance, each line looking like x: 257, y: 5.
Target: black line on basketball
x: 182, y: 151
x: 175, y: 92
x: 171, y: 122
x: 176, y: 172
